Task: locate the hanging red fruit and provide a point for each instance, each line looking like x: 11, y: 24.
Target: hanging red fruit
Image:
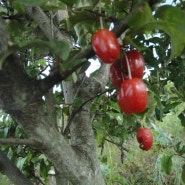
x: 145, y: 138
x: 136, y: 63
x: 106, y: 46
x: 132, y: 96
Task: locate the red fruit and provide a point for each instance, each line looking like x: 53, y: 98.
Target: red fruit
x: 136, y: 62
x: 145, y: 138
x: 106, y: 46
x: 116, y: 76
x: 132, y: 96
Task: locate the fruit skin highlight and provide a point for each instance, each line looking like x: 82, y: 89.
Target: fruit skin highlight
x: 106, y: 46
x: 145, y: 138
x: 132, y: 96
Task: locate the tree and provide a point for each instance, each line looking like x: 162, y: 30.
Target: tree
x: 56, y: 35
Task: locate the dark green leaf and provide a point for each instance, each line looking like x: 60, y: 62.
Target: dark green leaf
x: 54, y: 5
x: 80, y: 17
x: 182, y: 119
x: 174, y: 26
x: 166, y: 164
x: 100, y: 136
x: 140, y: 17
x: 86, y: 3
x: 183, y: 173
x: 30, y: 2
x: 44, y: 169
x: 69, y: 3
x: 60, y: 48
x: 180, y: 150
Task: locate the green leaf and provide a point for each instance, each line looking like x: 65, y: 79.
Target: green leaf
x: 85, y: 3
x: 166, y: 164
x: 49, y: 5
x: 180, y: 150
x: 10, y: 153
x: 171, y: 20
x: 165, y: 20
x: 54, y: 5
x: 60, y: 48
x: 30, y: 2
x: 82, y: 16
x: 20, y: 162
x: 69, y: 3
x: 6, y: 129
x: 44, y: 169
x: 183, y: 173
x: 140, y: 17
x: 100, y: 136
x: 182, y: 119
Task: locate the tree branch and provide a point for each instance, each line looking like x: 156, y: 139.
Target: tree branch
x: 117, y: 144
x: 37, y: 14
x: 8, y: 168
x: 16, y: 141
x: 45, y: 84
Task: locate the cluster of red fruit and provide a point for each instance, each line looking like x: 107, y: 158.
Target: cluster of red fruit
x: 126, y: 76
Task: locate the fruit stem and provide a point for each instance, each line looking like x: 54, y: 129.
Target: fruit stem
x: 101, y: 20
x: 143, y: 121
x: 128, y: 67
x: 142, y: 125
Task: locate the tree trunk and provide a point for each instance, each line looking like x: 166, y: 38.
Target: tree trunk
x: 21, y: 97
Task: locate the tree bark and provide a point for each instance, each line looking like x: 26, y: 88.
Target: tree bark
x: 22, y: 99
x: 82, y: 136
x: 4, y: 39
x: 35, y: 116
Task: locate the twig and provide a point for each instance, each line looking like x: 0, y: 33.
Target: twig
x: 100, y: 14
x: 73, y: 114
x: 132, y: 5
x: 117, y: 144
